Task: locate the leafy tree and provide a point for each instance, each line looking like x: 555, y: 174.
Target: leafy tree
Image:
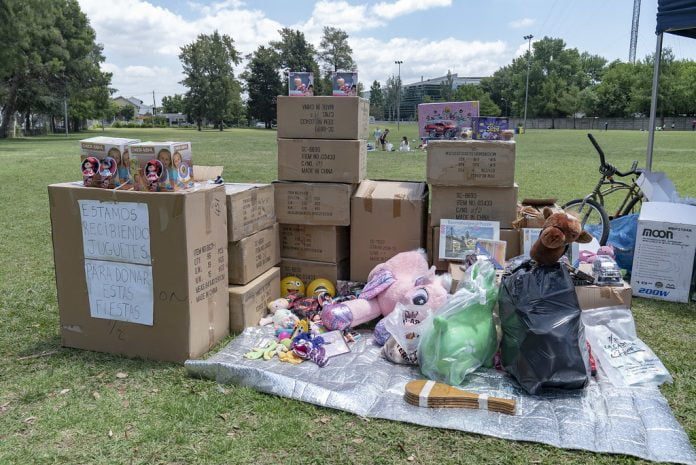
x: 376, y: 100
x: 392, y: 88
x: 334, y: 50
x: 48, y: 51
x: 263, y: 85
x: 295, y: 53
x: 126, y: 112
x: 447, y: 88
x: 173, y: 104
x: 214, y: 93
x: 468, y: 92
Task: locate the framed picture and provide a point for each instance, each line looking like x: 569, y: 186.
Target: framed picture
x: 458, y: 237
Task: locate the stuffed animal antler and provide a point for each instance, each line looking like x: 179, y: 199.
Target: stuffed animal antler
x: 560, y: 229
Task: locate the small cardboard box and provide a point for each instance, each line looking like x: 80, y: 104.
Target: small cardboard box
x: 323, y: 117
x: 471, y: 163
x: 308, y: 270
x: 318, y: 243
x: 663, y: 261
x: 253, y: 255
x: 590, y: 297
x: 142, y: 274
x: 161, y: 166
x: 530, y: 213
x: 387, y: 217
x: 657, y: 187
x: 474, y: 203
x: 322, y: 160
x: 115, y: 147
x: 249, y: 303
x: 440, y: 265
x: 319, y: 204
x: 250, y: 208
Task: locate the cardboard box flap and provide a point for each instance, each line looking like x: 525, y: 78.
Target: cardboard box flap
x: 666, y: 212
x: 241, y: 187
x: 391, y: 190
x: 205, y: 173
x: 548, y: 202
x: 657, y: 187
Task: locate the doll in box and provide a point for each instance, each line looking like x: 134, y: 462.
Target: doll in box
x: 107, y: 172
x: 90, y: 168
x: 154, y: 171
x: 165, y: 157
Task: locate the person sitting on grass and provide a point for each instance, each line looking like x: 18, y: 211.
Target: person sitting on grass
x: 403, y: 146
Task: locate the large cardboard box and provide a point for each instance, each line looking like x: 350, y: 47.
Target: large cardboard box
x: 308, y: 270
x: 663, y: 261
x: 318, y: 243
x: 471, y: 163
x: 323, y: 117
x: 313, y: 203
x: 387, y: 217
x: 474, y: 203
x: 253, y: 255
x: 322, y: 160
x: 142, y: 274
x: 512, y: 237
x: 248, y: 304
x: 250, y: 208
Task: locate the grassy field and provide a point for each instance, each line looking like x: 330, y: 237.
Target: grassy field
x: 67, y: 406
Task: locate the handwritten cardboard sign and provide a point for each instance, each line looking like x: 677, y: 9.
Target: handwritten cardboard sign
x: 120, y: 291
x: 116, y: 231
x: 118, y: 266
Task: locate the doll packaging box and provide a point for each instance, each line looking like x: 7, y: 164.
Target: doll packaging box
x: 141, y: 274
x: 161, y: 166
x: 300, y: 84
x: 105, y: 161
x: 344, y: 83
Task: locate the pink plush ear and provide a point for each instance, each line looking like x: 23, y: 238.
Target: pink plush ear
x: 379, y: 282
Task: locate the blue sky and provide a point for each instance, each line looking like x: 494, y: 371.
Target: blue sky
x: 141, y: 38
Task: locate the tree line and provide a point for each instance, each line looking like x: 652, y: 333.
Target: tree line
x: 49, y: 58
x: 214, y: 92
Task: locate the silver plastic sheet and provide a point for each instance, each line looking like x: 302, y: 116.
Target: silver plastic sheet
x: 600, y: 418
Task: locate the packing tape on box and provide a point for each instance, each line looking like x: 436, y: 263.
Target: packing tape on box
x: 209, y: 206
x: 396, y: 205
x: 367, y: 199
x: 607, y: 292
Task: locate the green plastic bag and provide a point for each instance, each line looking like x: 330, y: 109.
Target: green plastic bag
x: 460, y: 336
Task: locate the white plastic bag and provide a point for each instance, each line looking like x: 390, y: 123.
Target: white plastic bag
x: 405, y: 324
x: 622, y: 356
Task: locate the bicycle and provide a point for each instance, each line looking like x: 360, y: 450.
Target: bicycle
x: 591, y: 209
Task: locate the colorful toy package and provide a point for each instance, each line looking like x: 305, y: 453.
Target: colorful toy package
x: 345, y: 83
x: 490, y: 128
x: 161, y: 166
x: 446, y: 120
x: 104, y: 161
x: 300, y: 84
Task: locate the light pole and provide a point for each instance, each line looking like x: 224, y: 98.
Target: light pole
x: 526, y: 90
x: 398, y: 96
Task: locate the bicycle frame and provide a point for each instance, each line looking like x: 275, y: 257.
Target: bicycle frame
x: 614, y: 186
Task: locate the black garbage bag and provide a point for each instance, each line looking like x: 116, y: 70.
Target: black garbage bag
x: 543, y: 343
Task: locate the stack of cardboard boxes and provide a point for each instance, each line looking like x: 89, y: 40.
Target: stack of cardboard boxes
x: 322, y: 155
x: 254, y: 252
x: 472, y: 180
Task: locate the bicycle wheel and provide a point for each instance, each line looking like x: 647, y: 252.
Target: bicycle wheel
x: 593, y: 217
x: 633, y: 206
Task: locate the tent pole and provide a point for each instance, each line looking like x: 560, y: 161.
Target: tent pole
x: 653, y: 102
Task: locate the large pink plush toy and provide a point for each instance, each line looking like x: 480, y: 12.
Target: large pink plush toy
x: 403, y: 278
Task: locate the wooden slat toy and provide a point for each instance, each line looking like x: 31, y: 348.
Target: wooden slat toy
x: 425, y: 393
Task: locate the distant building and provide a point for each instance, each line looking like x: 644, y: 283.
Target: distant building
x: 415, y: 93
x: 173, y: 119
x: 140, y: 108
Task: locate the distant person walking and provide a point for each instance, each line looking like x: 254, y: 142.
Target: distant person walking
x: 693, y: 125
x: 606, y: 125
x: 384, y: 139
x: 378, y: 136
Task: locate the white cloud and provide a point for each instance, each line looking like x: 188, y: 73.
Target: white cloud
x: 522, y: 22
x: 142, y: 41
x: 523, y: 47
x: 391, y: 10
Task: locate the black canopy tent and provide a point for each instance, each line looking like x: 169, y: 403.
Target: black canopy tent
x: 674, y: 17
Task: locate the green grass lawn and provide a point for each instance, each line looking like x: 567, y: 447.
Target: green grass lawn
x: 68, y: 406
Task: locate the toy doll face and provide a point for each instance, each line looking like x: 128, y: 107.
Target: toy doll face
x: 115, y: 154
x: 177, y: 160
x: 88, y: 166
x: 151, y: 168
x: 298, y: 82
x: 126, y: 158
x: 165, y: 156
x: 340, y: 81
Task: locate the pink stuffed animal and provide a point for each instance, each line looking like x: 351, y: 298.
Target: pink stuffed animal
x: 403, y: 278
